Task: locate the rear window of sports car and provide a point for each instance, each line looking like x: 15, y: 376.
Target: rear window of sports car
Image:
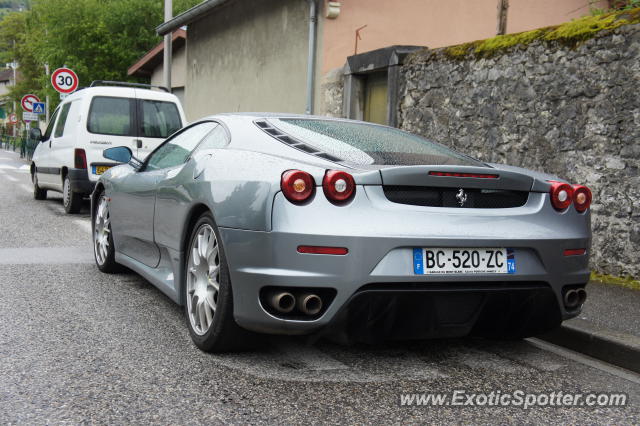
x: 368, y: 144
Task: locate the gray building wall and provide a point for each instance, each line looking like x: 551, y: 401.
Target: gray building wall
x: 249, y: 57
x: 178, y: 73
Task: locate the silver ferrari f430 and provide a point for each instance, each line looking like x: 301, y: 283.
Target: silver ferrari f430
x: 285, y: 224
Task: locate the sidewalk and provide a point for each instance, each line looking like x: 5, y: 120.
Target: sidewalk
x: 608, y: 327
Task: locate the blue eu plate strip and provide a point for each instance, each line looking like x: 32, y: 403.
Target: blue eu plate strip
x: 417, y: 261
x: 511, y: 261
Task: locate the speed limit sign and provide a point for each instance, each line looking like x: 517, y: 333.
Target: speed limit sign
x: 64, y: 80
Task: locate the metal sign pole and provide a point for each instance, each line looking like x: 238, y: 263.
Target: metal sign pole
x: 168, y: 14
x: 46, y: 107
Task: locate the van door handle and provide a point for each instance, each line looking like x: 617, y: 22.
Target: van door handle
x: 138, y: 143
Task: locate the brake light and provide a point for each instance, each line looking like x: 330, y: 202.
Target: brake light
x: 80, y: 158
x: 297, y: 186
x: 465, y: 175
x: 339, y: 251
x: 561, y: 195
x: 339, y: 187
x: 581, y: 197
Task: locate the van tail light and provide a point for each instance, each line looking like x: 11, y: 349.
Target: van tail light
x: 581, y: 197
x: 561, y: 195
x: 297, y: 186
x: 339, y: 187
x: 80, y: 159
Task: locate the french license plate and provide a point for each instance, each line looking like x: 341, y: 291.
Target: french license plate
x: 447, y: 260
x: 98, y: 170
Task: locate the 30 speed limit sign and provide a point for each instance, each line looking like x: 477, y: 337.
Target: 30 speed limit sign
x: 64, y: 80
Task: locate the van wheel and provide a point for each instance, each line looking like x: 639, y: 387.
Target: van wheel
x: 38, y: 193
x: 72, y: 201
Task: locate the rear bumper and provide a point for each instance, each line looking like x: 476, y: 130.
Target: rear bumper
x: 377, y: 274
x: 79, y: 180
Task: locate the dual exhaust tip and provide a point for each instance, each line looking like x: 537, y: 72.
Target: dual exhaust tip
x: 285, y: 302
x: 574, y: 298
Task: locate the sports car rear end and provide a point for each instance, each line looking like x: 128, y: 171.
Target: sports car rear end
x: 446, y: 249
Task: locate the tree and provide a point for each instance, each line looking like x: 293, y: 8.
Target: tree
x: 98, y: 39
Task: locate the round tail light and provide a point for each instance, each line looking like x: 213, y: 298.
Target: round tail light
x: 581, y: 197
x: 339, y: 187
x: 297, y: 186
x: 561, y: 195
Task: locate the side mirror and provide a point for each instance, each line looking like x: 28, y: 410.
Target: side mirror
x: 122, y: 154
x: 35, y: 134
x: 119, y: 154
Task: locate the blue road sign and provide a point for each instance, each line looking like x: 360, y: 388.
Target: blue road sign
x: 38, y: 107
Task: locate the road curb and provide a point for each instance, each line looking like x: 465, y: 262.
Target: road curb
x: 620, y: 349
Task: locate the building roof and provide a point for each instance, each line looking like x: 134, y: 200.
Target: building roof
x: 146, y: 64
x: 190, y: 15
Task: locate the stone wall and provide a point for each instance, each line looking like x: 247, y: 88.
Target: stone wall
x: 570, y: 111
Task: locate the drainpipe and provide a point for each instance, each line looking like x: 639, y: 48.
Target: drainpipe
x: 311, y: 61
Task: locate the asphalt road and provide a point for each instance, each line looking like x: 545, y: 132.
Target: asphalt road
x: 79, y: 346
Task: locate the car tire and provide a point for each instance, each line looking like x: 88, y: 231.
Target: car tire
x: 38, y: 193
x: 72, y: 201
x: 207, y: 291
x: 103, y: 247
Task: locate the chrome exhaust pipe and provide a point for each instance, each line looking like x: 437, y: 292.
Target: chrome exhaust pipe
x: 282, y: 301
x: 582, y: 296
x: 309, y: 304
x: 571, y: 299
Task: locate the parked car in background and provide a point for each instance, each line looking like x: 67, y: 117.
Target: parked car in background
x: 69, y: 157
x: 299, y: 224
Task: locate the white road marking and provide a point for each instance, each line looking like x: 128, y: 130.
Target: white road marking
x: 11, y: 178
x: 45, y: 255
x: 24, y: 167
x: 586, y: 360
x: 85, y: 225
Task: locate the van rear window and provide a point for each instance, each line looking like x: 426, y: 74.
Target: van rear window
x: 158, y: 119
x: 111, y: 116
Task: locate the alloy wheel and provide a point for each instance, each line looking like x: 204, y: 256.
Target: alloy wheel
x: 102, y: 230
x: 203, y: 279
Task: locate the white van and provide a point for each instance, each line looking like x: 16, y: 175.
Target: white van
x: 69, y: 157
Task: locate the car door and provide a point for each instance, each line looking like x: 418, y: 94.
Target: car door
x: 133, y: 200
x: 44, y: 162
x: 175, y: 190
x: 157, y: 120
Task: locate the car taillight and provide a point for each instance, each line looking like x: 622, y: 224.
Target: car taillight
x: 80, y: 159
x: 561, y: 195
x: 465, y: 175
x: 581, y: 197
x: 339, y: 187
x: 297, y: 186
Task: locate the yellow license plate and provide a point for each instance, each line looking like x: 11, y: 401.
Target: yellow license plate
x: 98, y: 170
